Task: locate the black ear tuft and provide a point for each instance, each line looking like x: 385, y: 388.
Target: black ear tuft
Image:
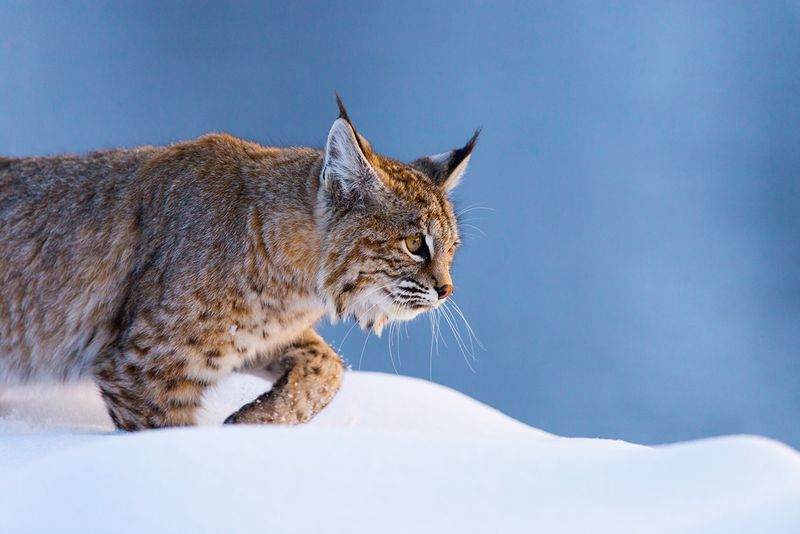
x: 342, y: 111
x: 447, y: 168
x: 363, y: 144
x: 460, y: 154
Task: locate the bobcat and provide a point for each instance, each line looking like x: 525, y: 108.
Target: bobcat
x: 158, y: 270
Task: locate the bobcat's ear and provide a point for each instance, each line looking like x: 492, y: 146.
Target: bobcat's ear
x: 447, y: 168
x: 347, y: 170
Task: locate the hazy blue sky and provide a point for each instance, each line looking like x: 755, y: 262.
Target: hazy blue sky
x: 639, y: 277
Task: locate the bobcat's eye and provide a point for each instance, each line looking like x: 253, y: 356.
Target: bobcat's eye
x: 414, y: 243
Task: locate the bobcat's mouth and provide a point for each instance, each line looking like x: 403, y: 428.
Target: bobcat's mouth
x: 374, y: 309
x: 376, y: 315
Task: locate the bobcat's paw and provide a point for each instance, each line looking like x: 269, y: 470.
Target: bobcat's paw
x: 264, y: 411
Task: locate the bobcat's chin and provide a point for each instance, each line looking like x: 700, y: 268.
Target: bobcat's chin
x: 376, y: 315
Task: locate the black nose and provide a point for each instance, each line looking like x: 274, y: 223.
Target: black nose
x: 444, y: 291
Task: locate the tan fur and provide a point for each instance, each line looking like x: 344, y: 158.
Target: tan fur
x: 156, y: 271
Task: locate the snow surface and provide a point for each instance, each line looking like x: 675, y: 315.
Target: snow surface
x: 391, y: 454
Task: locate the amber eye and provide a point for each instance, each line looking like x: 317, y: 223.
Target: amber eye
x: 414, y: 243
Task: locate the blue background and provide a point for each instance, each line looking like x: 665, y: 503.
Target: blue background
x: 639, y: 277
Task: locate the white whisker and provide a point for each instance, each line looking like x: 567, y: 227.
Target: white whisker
x: 474, y: 228
x: 439, y: 332
x: 466, y: 323
x: 391, y: 357
x: 473, y: 207
x: 341, y: 343
x: 399, y: 358
x: 469, y: 337
x: 430, y: 363
x: 360, y: 358
x: 458, y: 338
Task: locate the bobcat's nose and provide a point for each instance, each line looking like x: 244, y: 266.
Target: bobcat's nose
x: 444, y: 291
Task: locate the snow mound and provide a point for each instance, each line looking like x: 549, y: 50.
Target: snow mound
x: 390, y: 454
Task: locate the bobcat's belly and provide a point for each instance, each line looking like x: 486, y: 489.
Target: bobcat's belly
x: 54, y: 342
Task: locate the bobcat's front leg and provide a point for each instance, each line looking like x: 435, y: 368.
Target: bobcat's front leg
x: 312, y: 376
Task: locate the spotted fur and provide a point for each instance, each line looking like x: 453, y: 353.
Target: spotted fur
x: 156, y: 271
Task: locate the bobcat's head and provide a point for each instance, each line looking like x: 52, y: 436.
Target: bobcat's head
x: 389, y: 230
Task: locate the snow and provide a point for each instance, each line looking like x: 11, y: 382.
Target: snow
x: 391, y: 454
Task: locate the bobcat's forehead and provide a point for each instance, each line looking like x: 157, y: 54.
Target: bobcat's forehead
x: 419, y: 201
